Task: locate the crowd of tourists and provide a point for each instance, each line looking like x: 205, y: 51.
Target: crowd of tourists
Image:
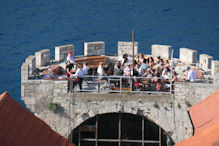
x: 147, y: 71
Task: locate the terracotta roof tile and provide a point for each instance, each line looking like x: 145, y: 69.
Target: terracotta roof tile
x: 20, y: 127
x: 205, y: 118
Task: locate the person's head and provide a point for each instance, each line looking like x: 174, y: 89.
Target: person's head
x: 166, y: 61
x: 188, y: 68
x: 128, y: 65
x: 141, y: 55
x: 151, y: 59
x: 158, y: 58
x: 79, y: 66
x: 68, y: 62
x: 145, y: 61
x: 125, y: 55
x: 137, y: 66
x: 101, y: 64
x: 106, y: 65
x: 84, y: 64
x: 168, y: 69
x: 69, y: 53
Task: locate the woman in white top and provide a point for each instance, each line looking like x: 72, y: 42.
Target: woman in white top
x: 100, y: 69
x: 128, y: 70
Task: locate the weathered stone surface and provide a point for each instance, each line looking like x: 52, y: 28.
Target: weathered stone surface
x: 78, y: 107
x: 42, y: 57
x: 61, y: 52
x: 215, y: 71
x: 188, y: 56
x: 24, y: 71
x: 215, y: 67
x: 126, y: 48
x: 31, y: 61
x: 94, y: 48
x: 164, y: 51
x: 205, y: 61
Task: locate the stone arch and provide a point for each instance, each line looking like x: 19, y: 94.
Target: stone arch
x: 122, y: 113
x: 145, y: 109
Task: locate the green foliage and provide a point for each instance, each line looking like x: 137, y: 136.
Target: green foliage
x: 54, y: 106
x: 171, y: 104
x: 188, y: 104
x: 155, y: 105
x: 179, y: 106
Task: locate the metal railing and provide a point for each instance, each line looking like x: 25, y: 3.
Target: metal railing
x: 120, y: 84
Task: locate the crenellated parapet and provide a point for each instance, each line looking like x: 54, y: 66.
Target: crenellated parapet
x: 126, y: 48
x: 61, y: 52
x: 164, y: 51
x: 77, y: 107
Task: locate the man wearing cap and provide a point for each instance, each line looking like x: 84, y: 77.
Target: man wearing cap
x: 71, y: 59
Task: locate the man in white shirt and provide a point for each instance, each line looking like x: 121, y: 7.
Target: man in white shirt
x: 191, y: 75
x: 79, y: 75
x: 85, y: 68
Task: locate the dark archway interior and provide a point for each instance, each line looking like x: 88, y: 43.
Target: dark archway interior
x: 119, y: 129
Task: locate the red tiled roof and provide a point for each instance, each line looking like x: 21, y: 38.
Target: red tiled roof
x: 205, y: 118
x: 205, y: 113
x: 19, y: 127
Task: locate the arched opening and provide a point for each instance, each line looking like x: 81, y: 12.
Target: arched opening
x: 119, y: 129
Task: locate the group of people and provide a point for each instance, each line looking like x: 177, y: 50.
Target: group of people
x: 158, y: 71
x: 75, y: 70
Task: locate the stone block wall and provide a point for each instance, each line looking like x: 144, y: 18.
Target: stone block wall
x: 215, y: 71
x: 42, y: 57
x: 24, y: 71
x: 205, y: 61
x: 126, y: 48
x: 164, y: 51
x: 31, y: 61
x: 214, y: 67
x: 61, y: 52
x: 94, y: 48
x: 188, y: 56
x: 37, y: 94
x: 193, y: 92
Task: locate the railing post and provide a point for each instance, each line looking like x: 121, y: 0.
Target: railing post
x: 120, y: 85
x: 171, y: 72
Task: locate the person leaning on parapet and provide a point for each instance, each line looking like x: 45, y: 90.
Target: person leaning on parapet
x: 68, y: 69
x: 191, y: 76
x: 78, y: 77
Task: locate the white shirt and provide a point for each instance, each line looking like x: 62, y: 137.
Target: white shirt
x: 71, y: 59
x: 192, y: 75
x: 79, y: 73
x: 100, y: 71
x: 127, y: 71
x: 166, y: 76
x: 85, y: 70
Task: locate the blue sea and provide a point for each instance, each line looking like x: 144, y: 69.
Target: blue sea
x: 28, y: 26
